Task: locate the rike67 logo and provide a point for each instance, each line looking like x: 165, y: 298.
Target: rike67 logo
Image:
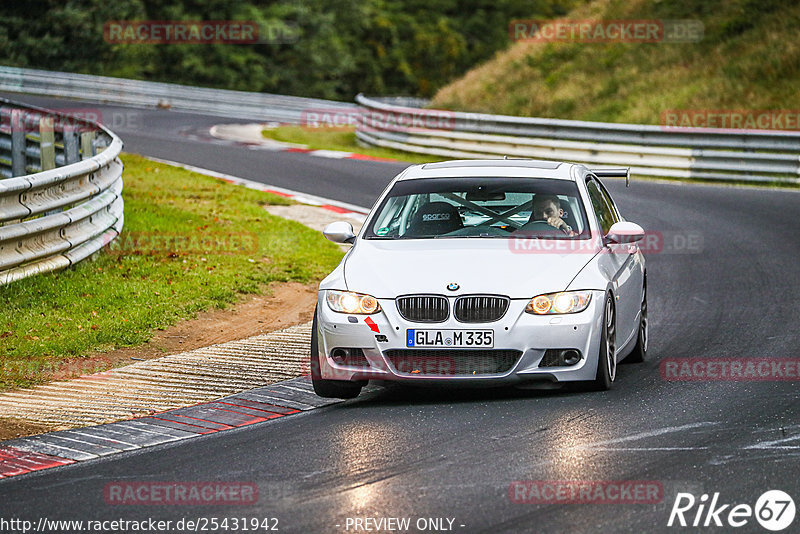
x: 774, y: 510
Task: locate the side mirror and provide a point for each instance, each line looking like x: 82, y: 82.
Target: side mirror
x: 625, y: 232
x: 339, y: 232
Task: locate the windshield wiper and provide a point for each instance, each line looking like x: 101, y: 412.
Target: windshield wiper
x: 470, y: 236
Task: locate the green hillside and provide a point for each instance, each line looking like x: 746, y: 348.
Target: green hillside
x: 748, y: 58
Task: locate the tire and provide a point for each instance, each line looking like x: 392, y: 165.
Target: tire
x: 332, y: 389
x: 606, y: 363
x: 639, y: 353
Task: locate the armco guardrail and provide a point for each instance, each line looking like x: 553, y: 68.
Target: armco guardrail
x: 648, y: 150
x: 60, y: 199
x: 231, y: 104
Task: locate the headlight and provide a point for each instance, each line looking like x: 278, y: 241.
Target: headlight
x: 559, y: 303
x: 349, y: 302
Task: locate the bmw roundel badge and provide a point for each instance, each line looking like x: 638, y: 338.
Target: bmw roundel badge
x: 452, y: 286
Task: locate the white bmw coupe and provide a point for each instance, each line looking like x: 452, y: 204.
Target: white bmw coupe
x: 482, y: 273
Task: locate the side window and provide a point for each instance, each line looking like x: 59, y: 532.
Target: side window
x: 610, y: 202
x: 605, y: 216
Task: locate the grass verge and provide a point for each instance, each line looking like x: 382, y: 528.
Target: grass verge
x: 190, y: 243
x: 342, y: 139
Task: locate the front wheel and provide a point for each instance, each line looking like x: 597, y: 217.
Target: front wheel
x: 333, y: 389
x: 607, y: 361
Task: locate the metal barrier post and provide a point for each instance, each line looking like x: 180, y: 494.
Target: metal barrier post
x: 18, y: 159
x: 47, y: 143
x: 71, y: 144
x: 87, y: 145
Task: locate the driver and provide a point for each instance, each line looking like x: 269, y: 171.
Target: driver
x: 547, y: 208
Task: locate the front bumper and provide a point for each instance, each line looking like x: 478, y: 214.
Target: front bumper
x: 529, y: 334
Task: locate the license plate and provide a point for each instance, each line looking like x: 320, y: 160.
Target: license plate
x: 449, y: 338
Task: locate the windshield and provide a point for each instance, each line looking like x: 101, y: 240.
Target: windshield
x: 480, y: 207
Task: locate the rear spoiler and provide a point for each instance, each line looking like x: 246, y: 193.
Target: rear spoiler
x: 622, y: 172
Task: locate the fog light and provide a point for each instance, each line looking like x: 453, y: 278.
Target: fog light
x: 352, y: 357
x: 571, y: 356
x: 339, y: 355
x: 560, y: 357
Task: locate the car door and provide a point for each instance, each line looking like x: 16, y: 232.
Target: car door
x: 621, y: 261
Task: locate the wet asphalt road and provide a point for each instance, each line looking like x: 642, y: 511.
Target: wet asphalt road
x: 730, y: 292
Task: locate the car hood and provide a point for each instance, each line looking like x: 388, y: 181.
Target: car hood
x: 386, y: 269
